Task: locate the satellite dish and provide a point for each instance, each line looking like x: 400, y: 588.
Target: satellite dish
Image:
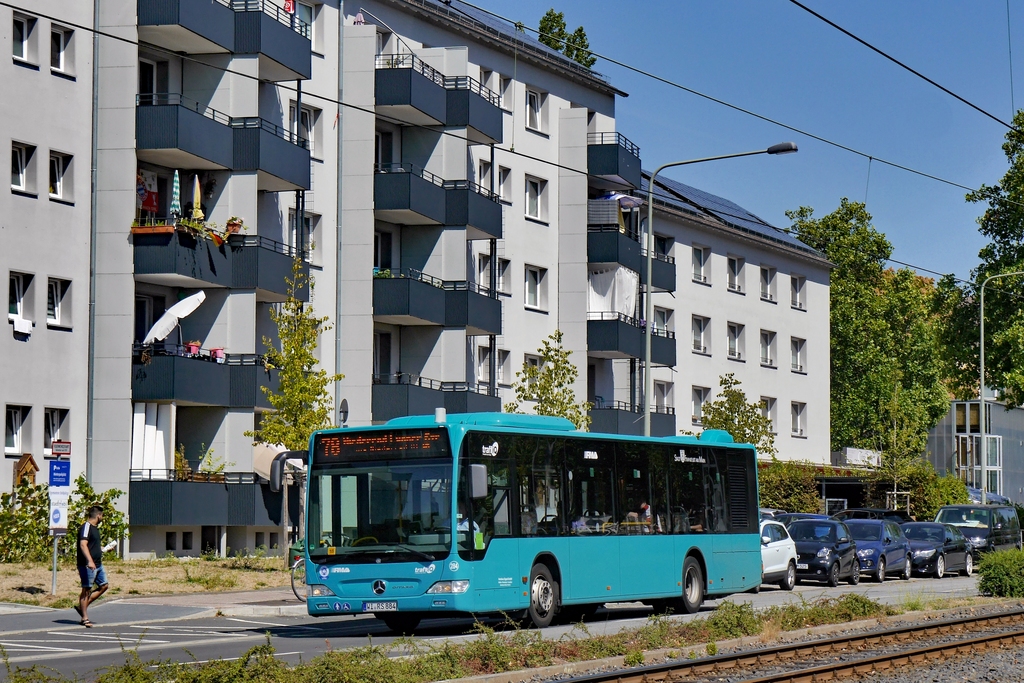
x: 343, y: 411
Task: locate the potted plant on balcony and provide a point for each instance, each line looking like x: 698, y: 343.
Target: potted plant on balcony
x: 234, y: 225
x: 192, y: 347
x: 217, y: 353
x: 152, y: 226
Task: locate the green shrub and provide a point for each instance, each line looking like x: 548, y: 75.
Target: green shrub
x: 1002, y: 574
x: 733, y: 621
x: 787, y: 485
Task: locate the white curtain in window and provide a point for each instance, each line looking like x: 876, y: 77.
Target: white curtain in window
x: 613, y: 290
x: 153, y: 438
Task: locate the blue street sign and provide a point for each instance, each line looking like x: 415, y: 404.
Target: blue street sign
x: 60, y: 473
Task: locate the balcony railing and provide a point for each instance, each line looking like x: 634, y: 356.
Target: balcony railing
x: 272, y: 128
x: 701, y: 278
x: 466, y: 286
x: 797, y: 367
x: 174, y: 99
x: 470, y: 185
x: 410, y: 274
x: 613, y: 139
x: 472, y: 85
x: 412, y: 169
x: 410, y: 62
x: 601, y: 404
x: 143, y: 352
x: 412, y: 379
x: 658, y: 256
x: 797, y: 304
x: 275, y: 12
x: 736, y: 287
x: 211, y: 477
x: 267, y: 243
x: 628, y: 232
x: 629, y: 320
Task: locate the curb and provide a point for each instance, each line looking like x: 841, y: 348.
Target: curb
x: 263, y: 611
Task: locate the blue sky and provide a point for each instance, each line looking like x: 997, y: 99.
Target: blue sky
x: 772, y: 57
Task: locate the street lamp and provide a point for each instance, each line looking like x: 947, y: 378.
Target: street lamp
x: 981, y: 385
x: 781, y: 148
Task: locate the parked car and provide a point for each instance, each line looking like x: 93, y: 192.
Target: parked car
x: 881, y: 548
x: 989, y: 527
x: 939, y: 548
x: 898, y: 516
x: 778, y: 555
x: 825, y: 551
x: 791, y: 517
x: 769, y: 513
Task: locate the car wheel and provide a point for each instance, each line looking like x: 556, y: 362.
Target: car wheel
x: 402, y: 624
x: 543, y: 596
x: 940, y: 567
x: 908, y: 566
x: 693, y: 586
x: 789, y: 580
x: 833, y: 575
x: 855, y: 574
x: 880, y: 572
x: 969, y: 565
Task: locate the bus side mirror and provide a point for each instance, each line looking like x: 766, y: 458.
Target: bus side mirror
x: 277, y: 468
x: 478, y: 481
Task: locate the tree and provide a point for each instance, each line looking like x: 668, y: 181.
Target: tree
x: 888, y: 386
x: 744, y: 421
x: 303, y: 403
x: 549, y: 385
x: 554, y: 33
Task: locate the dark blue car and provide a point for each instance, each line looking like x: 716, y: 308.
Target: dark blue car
x: 882, y: 549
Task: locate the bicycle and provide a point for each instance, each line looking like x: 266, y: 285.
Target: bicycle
x: 299, y: 579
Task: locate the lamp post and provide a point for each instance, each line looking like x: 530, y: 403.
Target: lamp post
x: 781, y: 148
x: 981, y: 385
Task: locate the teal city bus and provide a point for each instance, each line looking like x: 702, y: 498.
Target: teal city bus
x: 477, y: 513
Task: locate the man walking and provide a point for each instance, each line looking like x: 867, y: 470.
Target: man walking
x: 90, y: 564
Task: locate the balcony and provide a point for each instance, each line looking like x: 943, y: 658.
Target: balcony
x: 619, y: 417
x: 181, y: 259
x: 476, y: 108
x: 401, y: 394
x: 612, y: 244
x: 408, y: 297
x: 408, y: 195
x: 167, y: 372
x: 177, y: 132
x: 408, y: 90
x: 615, y: 335
x: 469, y: 305
x: 663, y: 272
x: 279, y: 157
x: 614, y: 160
x: 189, y: 26
x: 471, y: 205
x: 168, y: 498
x: 280, y: 39
x: 262, y: 264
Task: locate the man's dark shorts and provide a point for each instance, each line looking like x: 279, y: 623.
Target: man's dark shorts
x: 93, y: 578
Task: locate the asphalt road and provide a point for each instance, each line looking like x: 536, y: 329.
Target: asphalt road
x: 53, y: 639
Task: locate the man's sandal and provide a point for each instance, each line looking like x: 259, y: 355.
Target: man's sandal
x: 88, y: 624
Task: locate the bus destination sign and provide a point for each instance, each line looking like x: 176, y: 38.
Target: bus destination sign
x: 399, y: 443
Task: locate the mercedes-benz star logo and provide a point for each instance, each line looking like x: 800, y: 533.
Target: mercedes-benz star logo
x: 379, y: 587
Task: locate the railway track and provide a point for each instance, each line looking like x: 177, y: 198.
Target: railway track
x: 802, y: 654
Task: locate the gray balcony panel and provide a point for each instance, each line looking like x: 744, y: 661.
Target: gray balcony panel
x: 614, y: 159
x: 620, y: 339
x: 410, y: 96
x: 612, y: 246
x: 189, y: 26
x: 262, y: 264
x: 408, y: 301
x: 471, y: 402
x: 620, y: 421
x: 245, y: 385
x: 408, y: 199
x: 285, y: 53
x: 187, y: 381
x: 253, y: 505
x: 399, y: 400
x: 180, y: 259
x: 481, y: 117
x: 478, y: 313
x: 663, y: 275
x: 181, y: 503
x: 282, y: 165
x: 176, y: 136
x: 471, y: 206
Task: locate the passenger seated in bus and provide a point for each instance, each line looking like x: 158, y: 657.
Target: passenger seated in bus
x: 528, y: 522
x: 464, y: 519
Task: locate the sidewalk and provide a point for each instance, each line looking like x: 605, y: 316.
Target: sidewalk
x: 269, y: 602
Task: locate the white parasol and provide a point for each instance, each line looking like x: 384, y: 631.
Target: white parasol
x: 169, y: 320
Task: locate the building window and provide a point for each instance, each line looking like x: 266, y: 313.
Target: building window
x: 383, y: 150
x: 484, y: 175
x: 483, y: 364
x: 170, y: 541
x: 13, y: 424
x: 798, y: 350
x: 502, y: 366
x: 768, y: 348
x: 59, y: 176
x: 701, y: 331
x: 768, y: 411
x: 483, y: 270
x: 300, y: 233
x: 504, y: 280
x: 505, y: 183
x: 700, y: 264
x: 20, y: 155
x: 186, y: 540
x: 534, y: 110
x: 799, y: 414
x: 53, y: 428
x: 735, y: 274
x: 662, y: 245
x: 59, y: 41
x: 662, y: 396
x: 531, y: 361
x: 798, y: 286
x: 16, y: 295
x: 305, y: 126
x: 536, y: 286
x: 382, y: 248
x: 700, y: 396
x: 535, y: 198
x: 767, y: 283
x: 506, y: 94
x: 735, y: 341
x: 307, y: 15
x: 58, y: 309
x: 19, y: 42
x: 662, y: 319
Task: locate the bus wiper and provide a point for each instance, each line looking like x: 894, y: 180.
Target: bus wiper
x: 413, y: 551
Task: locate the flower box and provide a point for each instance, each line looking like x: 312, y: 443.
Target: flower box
x: 152, y: 229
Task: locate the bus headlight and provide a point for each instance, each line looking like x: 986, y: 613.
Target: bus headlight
x: 316, y: 590
x: 460, y: 586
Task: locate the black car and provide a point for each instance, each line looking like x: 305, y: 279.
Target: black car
x: 988, y: 527
x: 939, y: 548
x: 790, y: 517
x: 898, y: 516
x: 825, y: 551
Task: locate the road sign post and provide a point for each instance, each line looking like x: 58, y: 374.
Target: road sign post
x: 59, y: 490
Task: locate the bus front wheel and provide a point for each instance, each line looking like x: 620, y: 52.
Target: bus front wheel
x: 543, y: 596
x: 693, y: 585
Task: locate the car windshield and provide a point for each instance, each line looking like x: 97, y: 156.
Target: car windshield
x: 965, y: 517
x: 811, y: 531
x: 924, y: 533
x: 865, y: 532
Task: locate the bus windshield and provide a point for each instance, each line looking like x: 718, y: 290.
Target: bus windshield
x: 380, y: 499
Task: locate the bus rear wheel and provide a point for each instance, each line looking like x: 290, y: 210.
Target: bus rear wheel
x: 543, y: 596
x: 402, y: 624
x: 693, y: 585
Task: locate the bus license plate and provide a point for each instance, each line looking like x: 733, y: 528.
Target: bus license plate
x: 801, y: 566
x: 380, y: 606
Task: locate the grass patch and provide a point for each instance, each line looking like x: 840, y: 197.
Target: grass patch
x: 211, y: 580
